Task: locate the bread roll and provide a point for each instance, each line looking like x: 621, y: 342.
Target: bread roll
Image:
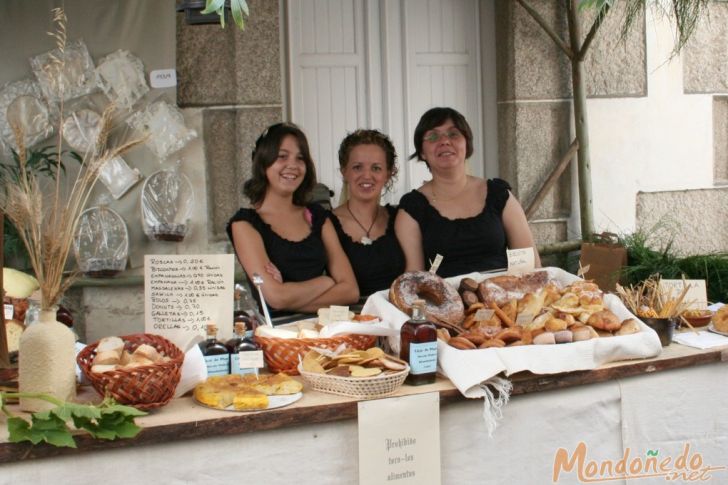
x: 146, y: 351
x: 107, y: 357
x: 110, y: 344
x: 98, y: 368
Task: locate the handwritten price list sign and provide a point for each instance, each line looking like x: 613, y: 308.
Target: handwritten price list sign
x: 183, y: 293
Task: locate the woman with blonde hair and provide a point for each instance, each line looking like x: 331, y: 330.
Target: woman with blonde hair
x: 368, y: 164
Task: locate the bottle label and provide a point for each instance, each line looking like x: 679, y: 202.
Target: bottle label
x: 423, y: 358
x: 246, y: 362
x: 217, y: 365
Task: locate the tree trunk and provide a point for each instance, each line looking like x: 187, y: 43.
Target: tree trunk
x: 580, y: 121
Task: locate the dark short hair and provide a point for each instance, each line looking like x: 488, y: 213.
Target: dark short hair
x: 265, y: 154
x: 435, y: 117
x: 370, y: 137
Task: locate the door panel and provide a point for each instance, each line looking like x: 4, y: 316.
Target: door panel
x: 427, y: 53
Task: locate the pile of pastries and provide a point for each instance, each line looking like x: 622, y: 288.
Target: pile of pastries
x: 506, y: 311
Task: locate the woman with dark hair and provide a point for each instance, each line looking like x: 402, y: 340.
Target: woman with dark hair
x: 468, y: 220
x: 368, y: 164
x: 281, y: 234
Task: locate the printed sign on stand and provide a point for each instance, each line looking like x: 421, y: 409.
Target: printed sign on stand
x: 183, y: 293
x: 696, y: 296
x: 399, y: 440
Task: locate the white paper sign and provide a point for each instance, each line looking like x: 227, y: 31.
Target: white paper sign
x: 521, y: 260
x: 484, y: 314
x: 9, y: 311
x: 399, y: 440
x: 338, y: 313
x: 696, y: 297
x: 163, y: 78
x: 251, y: 359
x: 436, y: 263
x: 183, y: 293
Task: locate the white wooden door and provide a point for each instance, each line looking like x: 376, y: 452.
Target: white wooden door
x: 381, y: 64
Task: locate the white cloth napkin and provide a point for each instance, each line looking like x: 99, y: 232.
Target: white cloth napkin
x: 193, y: 371
x: 702, y: 340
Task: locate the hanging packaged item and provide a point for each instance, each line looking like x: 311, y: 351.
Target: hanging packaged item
x: 101, y: 244
x: 81, y: 130
x: 167, y: 203
x: 65, y: 75
x: 121, y: 77
x: 165, y: 126
x: 118, y: 177
x: 22, y: 106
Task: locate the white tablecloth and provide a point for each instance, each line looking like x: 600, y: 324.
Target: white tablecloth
x: 660, y: 412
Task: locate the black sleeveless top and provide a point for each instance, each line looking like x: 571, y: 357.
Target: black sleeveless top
x: 296, y: 260
x: 475, y: 243
x: 375, y: 265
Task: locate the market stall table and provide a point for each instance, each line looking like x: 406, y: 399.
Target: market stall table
x: 657, y: 404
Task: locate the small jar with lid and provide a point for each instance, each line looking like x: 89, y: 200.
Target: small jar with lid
x: 418, y: 346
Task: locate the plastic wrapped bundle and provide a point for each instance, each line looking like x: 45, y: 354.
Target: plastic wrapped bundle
x: 101, y: 244
x: 167, y: 202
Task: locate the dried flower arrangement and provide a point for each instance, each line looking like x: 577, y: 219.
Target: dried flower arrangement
x: 45, y: 216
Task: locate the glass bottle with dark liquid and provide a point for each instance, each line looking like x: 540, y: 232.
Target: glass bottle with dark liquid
x: 418, y: 342
x: 240, y: 343
x: 244, y: 310
x: 217, y: 357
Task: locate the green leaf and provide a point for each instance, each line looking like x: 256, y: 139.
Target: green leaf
x: 238, y: 8
x: 50, y: 429
x: 68, y: 410
x: 113, y: 407
x: 213, y: 6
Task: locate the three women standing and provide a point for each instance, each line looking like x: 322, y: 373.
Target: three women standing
x: 311, y: 259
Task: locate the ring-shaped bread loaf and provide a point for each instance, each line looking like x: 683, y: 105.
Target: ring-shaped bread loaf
x: 443, y: 304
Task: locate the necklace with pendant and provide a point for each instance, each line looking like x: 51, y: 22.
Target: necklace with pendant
x: 365, y: 240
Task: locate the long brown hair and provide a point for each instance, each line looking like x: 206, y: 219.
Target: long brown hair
x: 265, y: 154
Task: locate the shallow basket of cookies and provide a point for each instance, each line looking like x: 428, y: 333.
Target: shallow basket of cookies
x: 140, y: 370
x: 284, y: 345
x: 361, y: 374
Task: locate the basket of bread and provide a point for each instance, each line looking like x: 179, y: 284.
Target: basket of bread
x: 140, y: 370
x: 509, y: 311
x: 362, y: 374
x: 282, y: 346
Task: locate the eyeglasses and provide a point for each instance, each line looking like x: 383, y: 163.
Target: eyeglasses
x: 434, y: 136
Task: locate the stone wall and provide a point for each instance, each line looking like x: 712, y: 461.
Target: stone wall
x: 694, y: 220
x: 534, y: 100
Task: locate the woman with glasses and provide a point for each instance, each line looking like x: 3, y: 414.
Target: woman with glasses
x: 282, y: 235
x: 468, y: 220
x: 368, y: 164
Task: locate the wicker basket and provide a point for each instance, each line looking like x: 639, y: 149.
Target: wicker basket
x: 281, y: 354
x: 144, y: 387
x: 383, y: 385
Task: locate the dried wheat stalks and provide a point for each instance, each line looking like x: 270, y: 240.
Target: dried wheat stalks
x: 47, y: 223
